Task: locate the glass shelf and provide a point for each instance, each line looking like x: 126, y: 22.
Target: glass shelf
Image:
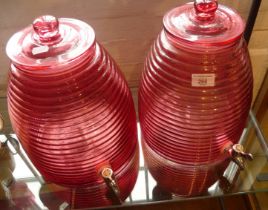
x: 22, y: 187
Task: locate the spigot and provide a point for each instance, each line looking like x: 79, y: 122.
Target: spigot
x: 238, y: 155
x: 108, y: 176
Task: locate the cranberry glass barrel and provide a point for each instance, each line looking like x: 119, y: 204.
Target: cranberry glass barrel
x: 71, y: 107
x: 195, y: 95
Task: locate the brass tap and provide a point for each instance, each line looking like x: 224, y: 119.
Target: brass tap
x: 108, y: 176
x: 238, y: 155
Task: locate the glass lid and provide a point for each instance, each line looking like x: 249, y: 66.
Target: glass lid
x: 50, y: 42
x: 204, y: 22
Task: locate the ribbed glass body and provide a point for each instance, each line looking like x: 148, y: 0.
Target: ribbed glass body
x: 75, y: 117
x: 193, y: 102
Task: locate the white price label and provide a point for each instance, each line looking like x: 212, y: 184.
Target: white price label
x: 203, y: 80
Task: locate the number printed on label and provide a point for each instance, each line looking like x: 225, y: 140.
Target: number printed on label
x: 203, y: 80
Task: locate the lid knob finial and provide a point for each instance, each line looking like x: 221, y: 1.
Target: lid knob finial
x: 205, y: 9
x: 46, y: 28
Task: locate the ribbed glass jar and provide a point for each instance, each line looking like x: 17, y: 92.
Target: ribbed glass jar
x: 194, y: 98
x: 70, y: 106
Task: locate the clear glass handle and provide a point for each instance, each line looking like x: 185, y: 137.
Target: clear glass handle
x: 205, y: 9
x: 46, y: 29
